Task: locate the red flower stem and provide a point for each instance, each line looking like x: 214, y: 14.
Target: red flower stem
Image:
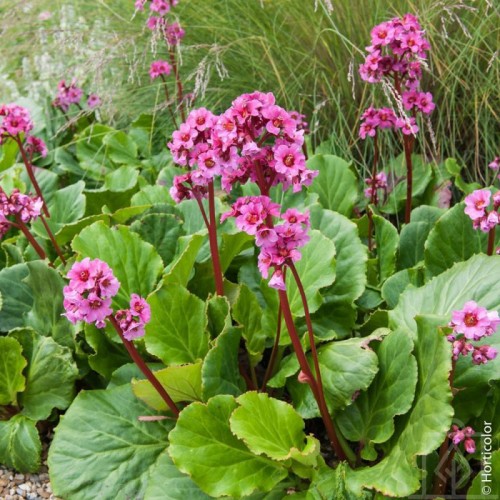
x: 31, y: 174
x: 491, y: 241
x: 274, y: 352
x: 214, y: 248
x: 169, y: 104
x: 304, y: 366
x: 53, y: 239
x: 374, y: 191
x: 136, y: 357
x: 22, y: 226
x: 441, y: 478
x: 319, y: 382
x: 180, y: 91
x: 408, y: 147
x: 202, y: 210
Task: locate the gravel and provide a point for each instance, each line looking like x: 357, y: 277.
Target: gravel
x: 16, y: 486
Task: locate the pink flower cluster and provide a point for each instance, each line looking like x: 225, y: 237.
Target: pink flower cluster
x: 70, y: 93
x: 133, y: 320
x: 172, y: 32
x: 23, y: 207
x: 398, y: 47
x: 159, y: 68
x: 253, y: 140
x: 466, y: 434
x: 380, y: 182
x: 278, y: 244
x: 88, y: 296
x: 495, y: 165
x: 473, y: 322
x: 16, y: 120
x: 476, y: 207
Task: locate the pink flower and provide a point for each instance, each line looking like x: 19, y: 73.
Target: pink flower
x: 277, y: 281
x: 174, y: 33
x: 476, y: 203
x: 159, y: 68
x: 407, y: 125
x: 36, y: 145
x: 160, y: 6
x: 483, y: 354
x: 472, y: 320
x: 15, y: 120
x: 424, y: 102
x: 95, y: 308
x: 458, y: 435
x: 289, y: 159
x: 139, y: 307
x: 495, y: 164
x: 93, y: 101
x: 367, y: 129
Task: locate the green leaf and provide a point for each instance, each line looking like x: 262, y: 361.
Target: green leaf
x: 122, y: 179
x: 162, y: 231
x: 181, y: 268
x: 50, y: 376
x: 165, y: 476
x: 150, y: 195
x: 453, y: 239
x: 183, y: 383
x: 12, y: 364
x: 203, y: 446
x: 248, y: 313
x: 67, y: 206
x: 370, y: 419
x: 395, y: 285
x: 413, y: 235
x: 69, y: 231
x: 177, y: 331
x: 121, y: 148
x: 315, y: 273
x: 336, y: 184
x: 346, y: 366
x: 46, y: 315
x: 484, y: 480
x: 8, y: 154
x: 17, y: 296
x: 108, y: 355
x: 101, y: 449
x: 232, y: 245
x: 424, y: 428
x: 269, y: 427
x: 218, y: 314
x: 91, y: 151
x: 20, y: 446
x: 476, y: 279
x: 220, y: 371
x: 387, y: 241
x: 134, y: 262
x: 351, y: 255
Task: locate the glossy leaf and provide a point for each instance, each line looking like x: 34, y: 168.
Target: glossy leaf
x: 203, y: 446
x: 183, y: 383
x: 336, y: 184
x: 12, y: 364
x: 177, y: 331
x: 50, y: 375
x: 17, y: 296
x: 101, y: 449
x: 20, y: 446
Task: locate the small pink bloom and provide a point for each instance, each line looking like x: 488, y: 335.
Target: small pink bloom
x: 476, y: 203
x: 277, y: 281
x: 159, y: 68
x: 407, y: 125
x: 93, y: 101
x: 495, y: 164
x: 139, y: 307
x: 472, y: 320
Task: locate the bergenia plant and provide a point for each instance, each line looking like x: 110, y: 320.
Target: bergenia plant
x: 395, y: 59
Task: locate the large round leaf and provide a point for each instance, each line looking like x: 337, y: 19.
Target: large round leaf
x: 134, y: 262
x: 336, y: 184
x: 101, y: 449
x: 50, y: 376
x: 16, y: 295
x: 203, y: 446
